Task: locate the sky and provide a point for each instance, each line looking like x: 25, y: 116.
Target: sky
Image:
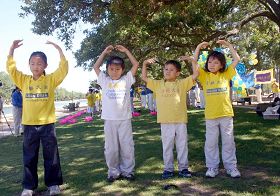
x: 14, y: 27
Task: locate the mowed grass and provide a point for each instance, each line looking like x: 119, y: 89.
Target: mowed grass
x: 81, y: 148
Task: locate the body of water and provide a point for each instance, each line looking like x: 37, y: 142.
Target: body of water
x: 58, y: 105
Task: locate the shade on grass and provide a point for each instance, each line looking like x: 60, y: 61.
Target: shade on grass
x: 84, y: 168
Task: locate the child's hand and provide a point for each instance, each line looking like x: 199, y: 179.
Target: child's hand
x: 16, y: 44
x: 120, y: 48
x: 149, y: 61
x: 224, y: 42
x: 108, y: 49
x: 54, y: 44
x: 186, y: 58
x: 203, y: 45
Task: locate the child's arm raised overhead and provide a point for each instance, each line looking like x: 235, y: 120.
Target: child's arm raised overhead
x: 197, y: 50
x: 132, y: 59
x: 99, y: 61
x: 144, y: 68
x: 58, y: 48
x: 235, y: 56
x: 15, y: 44
x: 194, y: 69
x: 190, y: 59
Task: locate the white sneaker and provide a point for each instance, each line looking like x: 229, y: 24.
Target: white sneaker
x: 54, y: 190
x: 234, y: 173
x: 27, y: 192
x: 212, y: 172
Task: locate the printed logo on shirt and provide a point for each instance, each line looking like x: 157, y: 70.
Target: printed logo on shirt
x: 169, y: 92
x: 116, y: 90
x: 216, y: 90
x: 36, y: 95
x: 216, y: 87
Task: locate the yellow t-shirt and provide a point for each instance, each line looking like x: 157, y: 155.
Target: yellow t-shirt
x: 91, y: 99
x: 98, y: 96
x: 275, y: 87
x: 216, y: 89
x: 38, y: 95
x: 171, y: 99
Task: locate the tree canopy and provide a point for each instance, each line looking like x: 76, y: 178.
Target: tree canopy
x: 163, y: 28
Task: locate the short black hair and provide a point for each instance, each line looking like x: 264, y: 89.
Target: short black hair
x: 115, y: 60
x: 217, y: 55
x: 41, y: 55
x: 177, y: 64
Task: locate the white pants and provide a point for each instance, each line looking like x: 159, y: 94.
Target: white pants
x: 202, y: 100
x: 143, y: 101
x: 90, y: 110
x: 150, y: 101
x: 132, y: 104
x: 155, y: 105
x: 119, y: 147
x: 211, y: 148
x: 171, y: 133
x: 97, y: 105
x: 17, y: 115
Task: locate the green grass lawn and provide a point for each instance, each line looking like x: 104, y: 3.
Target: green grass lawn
x: 85, y: 171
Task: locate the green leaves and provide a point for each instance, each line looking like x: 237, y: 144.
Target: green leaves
x: 148, y: 27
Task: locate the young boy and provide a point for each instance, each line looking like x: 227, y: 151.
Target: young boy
x: 172, y: 113
x: 116, y: 112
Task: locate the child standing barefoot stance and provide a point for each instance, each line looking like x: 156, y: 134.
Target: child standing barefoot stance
x: 116, y: 112
x: 215, y: 79
x: 172, y: 114
x: 38, y: 117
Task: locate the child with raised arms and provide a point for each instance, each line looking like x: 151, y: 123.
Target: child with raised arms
x: 171, y: 95
x: 116, y: 112
x: 38, y: 117
x: 215, y: 78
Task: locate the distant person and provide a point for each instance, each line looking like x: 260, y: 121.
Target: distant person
x: 143, y: 96
x: 38, y: 117
x: 215, y: 79
x: 154, y: 102
x: 17, y: 109
x: 1, y: 106
x: 132, y: 91
x: 201, y: 97
x: 275, y: 89
x: 97, y: 101
x: 193, y: 97
x: 116, y: 112
x: 90, y: 101
x: 172, y: 114
x: 149, y: 96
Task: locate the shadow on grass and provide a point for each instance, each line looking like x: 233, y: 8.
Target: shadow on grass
x: 81, y: 148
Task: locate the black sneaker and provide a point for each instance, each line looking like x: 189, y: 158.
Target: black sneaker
x: 129, y: 177
x: 167, y: 174
x: 112, y: 178
x: 185, y: 173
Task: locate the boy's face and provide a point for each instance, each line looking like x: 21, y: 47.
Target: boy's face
x: 115, y: 71
x: 214, y: 65
x: 170, y: 72
x: 37, y: 66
